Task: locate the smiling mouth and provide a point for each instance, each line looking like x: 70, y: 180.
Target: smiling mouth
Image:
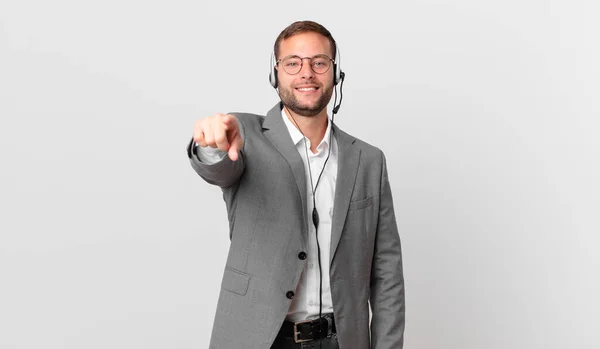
x: 307, y: 89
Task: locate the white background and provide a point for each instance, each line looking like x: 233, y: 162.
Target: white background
x: 487, y: 112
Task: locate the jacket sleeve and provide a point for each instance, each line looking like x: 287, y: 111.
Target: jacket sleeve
x: 224, y: 172
x: 387, y: 279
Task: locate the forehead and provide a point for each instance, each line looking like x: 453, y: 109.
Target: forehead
x: 305, y: 45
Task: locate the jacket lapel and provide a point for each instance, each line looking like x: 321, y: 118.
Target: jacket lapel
x: 275, y: 130
x: 348, y: 160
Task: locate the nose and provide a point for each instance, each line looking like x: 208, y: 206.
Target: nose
x: 306, y: 71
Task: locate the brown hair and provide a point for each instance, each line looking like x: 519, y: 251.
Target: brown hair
x: 304, y: 27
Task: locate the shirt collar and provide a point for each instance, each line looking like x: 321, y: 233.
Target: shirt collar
x: 297, y: 136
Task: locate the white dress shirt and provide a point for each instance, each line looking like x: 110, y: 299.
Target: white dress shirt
x: 305, y: 304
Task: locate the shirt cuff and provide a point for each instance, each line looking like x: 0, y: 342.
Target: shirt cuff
x: 209, y: 155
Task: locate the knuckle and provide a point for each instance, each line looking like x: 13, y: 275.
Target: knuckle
x: 220, y: 138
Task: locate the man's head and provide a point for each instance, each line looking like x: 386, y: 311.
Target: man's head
x: 305, y: 91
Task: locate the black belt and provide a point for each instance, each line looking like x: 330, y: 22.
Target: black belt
x: 309, y: 330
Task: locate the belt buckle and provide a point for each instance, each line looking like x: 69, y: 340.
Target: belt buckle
x: 296, y: 340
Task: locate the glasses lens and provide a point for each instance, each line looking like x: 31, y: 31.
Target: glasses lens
x: 320, y: 64
x: 292, y: 65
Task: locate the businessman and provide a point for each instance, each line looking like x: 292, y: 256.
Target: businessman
x: 313, y: 233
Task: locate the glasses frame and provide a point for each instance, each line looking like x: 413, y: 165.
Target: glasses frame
x: 302, y: 63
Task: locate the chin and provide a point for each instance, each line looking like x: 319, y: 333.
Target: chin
x: 306, y: 110
x: 305, y: 105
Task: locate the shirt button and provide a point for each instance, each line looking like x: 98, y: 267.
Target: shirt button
x: 310, y: 303
x: 310, y: 266
x: 302, y: 255
x: 289, y: 294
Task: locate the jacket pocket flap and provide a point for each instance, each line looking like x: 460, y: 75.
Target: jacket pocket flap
x: 235, y: 281
x: 358, y: 204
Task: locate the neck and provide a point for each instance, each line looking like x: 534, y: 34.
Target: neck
x: 313, y: 127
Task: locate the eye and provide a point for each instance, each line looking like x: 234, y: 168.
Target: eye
x: 320, y: 62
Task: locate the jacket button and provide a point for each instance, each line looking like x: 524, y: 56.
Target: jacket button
x: 289, y: 294
x: 302, y: 255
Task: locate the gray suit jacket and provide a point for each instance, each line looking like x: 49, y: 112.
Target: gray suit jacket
x: 265, y: 196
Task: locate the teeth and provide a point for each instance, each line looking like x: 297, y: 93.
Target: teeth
x: 306, y: 88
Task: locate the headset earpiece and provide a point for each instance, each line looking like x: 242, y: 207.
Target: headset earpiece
x: 273, y: 73
x: 337, y: 74
x: 273, y: 77
x: 337, y: 70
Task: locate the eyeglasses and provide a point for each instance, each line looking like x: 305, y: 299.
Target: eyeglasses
x: 320, y: 64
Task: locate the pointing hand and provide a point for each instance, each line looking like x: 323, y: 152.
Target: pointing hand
x: 219, y: 131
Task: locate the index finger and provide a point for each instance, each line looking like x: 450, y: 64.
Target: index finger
x: 229, y: 121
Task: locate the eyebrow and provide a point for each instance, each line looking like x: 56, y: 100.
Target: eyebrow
x: 318, y: 54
